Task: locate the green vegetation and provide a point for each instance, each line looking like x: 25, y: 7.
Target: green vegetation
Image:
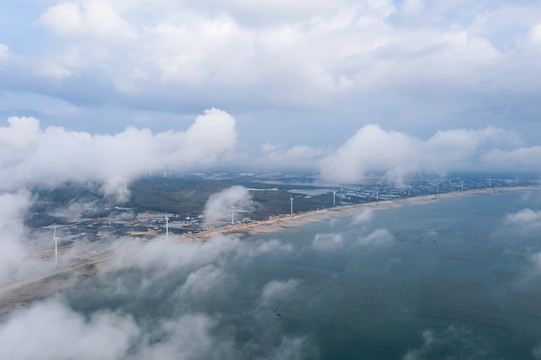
x: 174, y: 195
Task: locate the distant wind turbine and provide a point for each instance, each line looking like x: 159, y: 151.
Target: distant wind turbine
x: 166, y: 226
x: 334, y: 198
x: 55, y: 239
x: 291, y: 201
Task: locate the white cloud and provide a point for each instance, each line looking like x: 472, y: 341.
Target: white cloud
x: 205, y: 281
x: 93, y: 19
x: 261, y: 247
x: 50, y: 330
x: 21, y: 132
x: 524, y: 221
x: 376, y: 238
x: 303, y: 55
x: 163, y: 255
x: 451, y: 343
x: 188, y: 337
x: 535, y: 34
x: 167, y: 254
x: 299, y: 157
x: 398, y: 154
x: 278, y: 289
x: 326, y: 242
x: 364, y: 216
x: 26, y: 334
x: 15, y: 258
x: 526, y: 216
x: 220, y: 205
x: 524, y: 158
x: 289, y: 348
x: 31, y: 156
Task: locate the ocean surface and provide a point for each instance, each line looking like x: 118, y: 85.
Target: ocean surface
x: 450, y: 279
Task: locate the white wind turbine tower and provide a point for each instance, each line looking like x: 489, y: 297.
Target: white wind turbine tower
x: 166, y: 226
x: 235, y: 210
x: 334, y: 198
x: 291, y: 201
x: 409, y: 190
x: 55, y: 239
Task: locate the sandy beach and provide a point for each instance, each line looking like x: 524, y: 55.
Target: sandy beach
x: 292, y: 220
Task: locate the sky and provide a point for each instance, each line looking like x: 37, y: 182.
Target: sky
x: 305, y: 82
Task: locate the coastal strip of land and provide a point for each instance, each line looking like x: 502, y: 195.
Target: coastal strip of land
x: 21, y: 291
x: 278, y: 223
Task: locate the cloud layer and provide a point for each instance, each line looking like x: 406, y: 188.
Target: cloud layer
x: 160, y: 300
x: 31, y: 156
x: 397, y: 154
x: 308, y: 50
x: 223, y: 205
x: 407, y: 64
x: 15, y: 254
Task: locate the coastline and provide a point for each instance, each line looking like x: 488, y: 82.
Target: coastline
x: 287, y: 221
x: 19, y: 292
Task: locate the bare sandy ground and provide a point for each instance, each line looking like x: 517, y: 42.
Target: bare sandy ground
x: 23, y: 291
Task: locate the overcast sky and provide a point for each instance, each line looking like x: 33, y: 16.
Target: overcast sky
x: 301, y: 78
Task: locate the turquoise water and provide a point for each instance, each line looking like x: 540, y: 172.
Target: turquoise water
x: 449, y: 279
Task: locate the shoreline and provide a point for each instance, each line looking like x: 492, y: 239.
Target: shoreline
x: 19, y: 292
x: 287, y: 221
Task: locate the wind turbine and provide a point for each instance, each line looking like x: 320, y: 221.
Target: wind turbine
x: 291, y: 201
x: 55, y: 239
x: 409, y: 190
x: 166, y: 226
x: 234, y: 211
x: 334, y: 198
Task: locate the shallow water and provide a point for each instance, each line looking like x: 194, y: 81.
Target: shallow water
x: 449, y: 279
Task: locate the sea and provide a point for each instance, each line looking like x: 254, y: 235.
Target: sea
x: 446, y: 279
